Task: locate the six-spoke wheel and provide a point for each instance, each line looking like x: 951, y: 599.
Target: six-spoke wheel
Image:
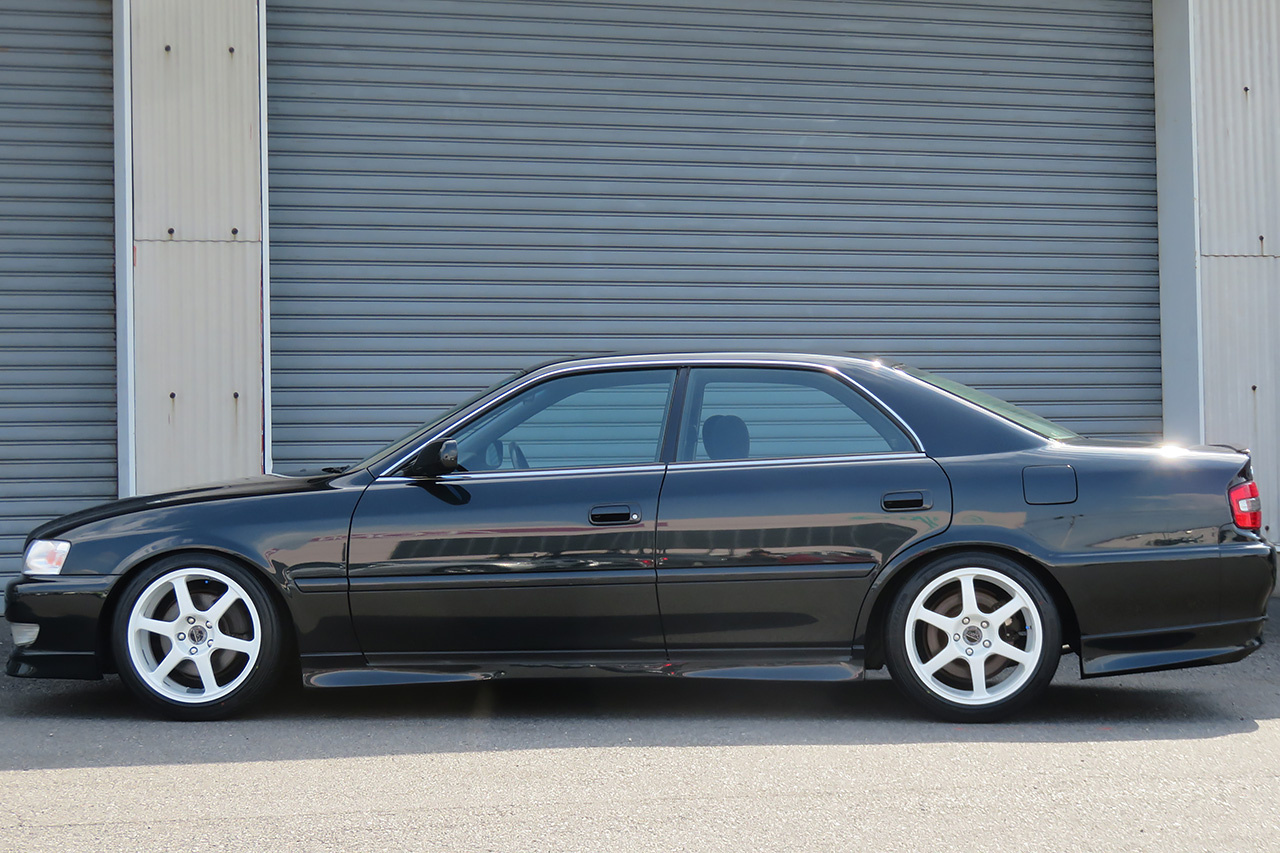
x: 196, y: 637
x: 973, y: 637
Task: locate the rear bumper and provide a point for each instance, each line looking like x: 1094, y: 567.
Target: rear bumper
x: 67, y: 609
x: 1275, y: 567
x: 1174, y: 648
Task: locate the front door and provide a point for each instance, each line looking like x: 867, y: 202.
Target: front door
x: 789, y: 490
x: 540, y: 545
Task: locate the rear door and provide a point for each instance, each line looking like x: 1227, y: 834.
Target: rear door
x: 789, y: 489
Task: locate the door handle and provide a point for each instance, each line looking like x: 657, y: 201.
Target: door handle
x: 903, y: 501
x: 614, y: 514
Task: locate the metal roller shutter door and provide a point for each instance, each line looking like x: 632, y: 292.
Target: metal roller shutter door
x: 460, y: 189
x: 57, y: 290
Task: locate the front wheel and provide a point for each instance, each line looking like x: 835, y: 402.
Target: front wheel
x: 973, y: 637
x: 196, y: 637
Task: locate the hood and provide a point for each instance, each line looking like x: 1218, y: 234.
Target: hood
x: 265, y: 484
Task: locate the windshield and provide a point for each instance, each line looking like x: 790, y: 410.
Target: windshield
x: 414, y: 435
x: 1008, y: 411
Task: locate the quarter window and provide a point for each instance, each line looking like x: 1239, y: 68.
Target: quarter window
x: 585, y: 420
x: 768, y: 413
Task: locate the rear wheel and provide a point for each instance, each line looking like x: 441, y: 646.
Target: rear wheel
x: 973, y: 637
x: 197, y: 637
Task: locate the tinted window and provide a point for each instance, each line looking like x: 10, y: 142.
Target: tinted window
x: 1020, y: 416
x: 763, y: 413
x: 613, y: 418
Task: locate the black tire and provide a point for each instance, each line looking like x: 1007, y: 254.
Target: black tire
x: 938, y: 645
x: 231, y: 637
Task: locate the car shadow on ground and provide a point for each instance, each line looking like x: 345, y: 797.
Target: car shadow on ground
x: 73, y: 724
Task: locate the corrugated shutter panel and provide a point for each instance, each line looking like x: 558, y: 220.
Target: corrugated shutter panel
x: 460, y: 189
x: 57, y: 291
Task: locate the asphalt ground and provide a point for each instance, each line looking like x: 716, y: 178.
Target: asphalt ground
x: 1186, y: 760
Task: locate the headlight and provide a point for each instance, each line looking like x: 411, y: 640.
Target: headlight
x: 45, y: 557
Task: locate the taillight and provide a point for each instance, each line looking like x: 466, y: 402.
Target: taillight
x: 1246, y: 506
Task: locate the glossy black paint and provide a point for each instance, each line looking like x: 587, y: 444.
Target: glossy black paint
x: 731, y: 570
x: 780, y: 556
x: 505, y: 562
x: 293, y: 530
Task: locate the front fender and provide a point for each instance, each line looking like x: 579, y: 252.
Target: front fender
x: 297, y: 543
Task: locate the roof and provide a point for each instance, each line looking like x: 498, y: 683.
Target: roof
x: 712, y: 357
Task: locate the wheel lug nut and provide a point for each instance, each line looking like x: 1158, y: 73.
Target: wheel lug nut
x: 969, y: 652
x: 965, y: 620
x: 211, y: 644
x: 210, y: 624
x: 957, y: 638
x: 984, y: 625
x: 181, y: 636
x: 986, y: 643
x: 194, y: 650
x: 191, y: 620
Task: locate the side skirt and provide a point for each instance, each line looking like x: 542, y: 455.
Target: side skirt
x: 351, y: 671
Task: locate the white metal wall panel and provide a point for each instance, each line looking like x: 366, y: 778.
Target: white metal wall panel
x: 195, y: 120
x: 1238, y: 119
x: 1242, y: 361
x: 199, y: 356
x: 57, y: 311
x: 460, y: 189
x: 197, y: 276
x: 1237, y: 112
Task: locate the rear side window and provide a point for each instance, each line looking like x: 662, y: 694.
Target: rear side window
x: 777, y: 413
x: 1008, y: 411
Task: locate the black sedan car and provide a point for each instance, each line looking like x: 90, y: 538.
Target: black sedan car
x: 762, y: 516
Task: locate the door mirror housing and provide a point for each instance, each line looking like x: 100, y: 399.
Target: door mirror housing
x: 438, y: 457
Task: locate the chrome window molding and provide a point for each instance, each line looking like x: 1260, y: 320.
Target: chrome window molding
x: 485, y: 406
x: 776, y: 462
x: 527, y: 473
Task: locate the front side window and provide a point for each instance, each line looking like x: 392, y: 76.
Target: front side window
x: 585, y: 420
x: 776, y: 413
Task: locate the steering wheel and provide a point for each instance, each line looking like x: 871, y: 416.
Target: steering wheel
x: 518, y: 459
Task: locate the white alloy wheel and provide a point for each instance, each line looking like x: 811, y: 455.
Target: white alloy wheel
x: 194, y: 635
x: 974, y: 636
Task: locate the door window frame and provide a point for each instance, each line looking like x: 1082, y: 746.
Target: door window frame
x: 675, y: 412
x: 688, y: 433
x: 512, y: 395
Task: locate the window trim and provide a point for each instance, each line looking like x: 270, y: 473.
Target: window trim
x: 465, y: 419
x: 682, y: 366
x: 533, y: 473
x: 501, y: 422
x: 840, y: 377
x: 783, y: 461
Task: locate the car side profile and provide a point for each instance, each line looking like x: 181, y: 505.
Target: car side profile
x: 715, y: 515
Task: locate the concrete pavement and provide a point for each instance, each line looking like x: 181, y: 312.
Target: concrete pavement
x: 1174, y: 761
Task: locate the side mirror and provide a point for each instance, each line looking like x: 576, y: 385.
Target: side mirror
x: 438, y: 457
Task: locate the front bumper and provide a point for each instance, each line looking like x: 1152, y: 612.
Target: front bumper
x: 68, y: 610
x: 6, y: 578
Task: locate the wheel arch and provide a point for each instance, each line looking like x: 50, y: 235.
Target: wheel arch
x: 110, y: 606
x: 886, y: 586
